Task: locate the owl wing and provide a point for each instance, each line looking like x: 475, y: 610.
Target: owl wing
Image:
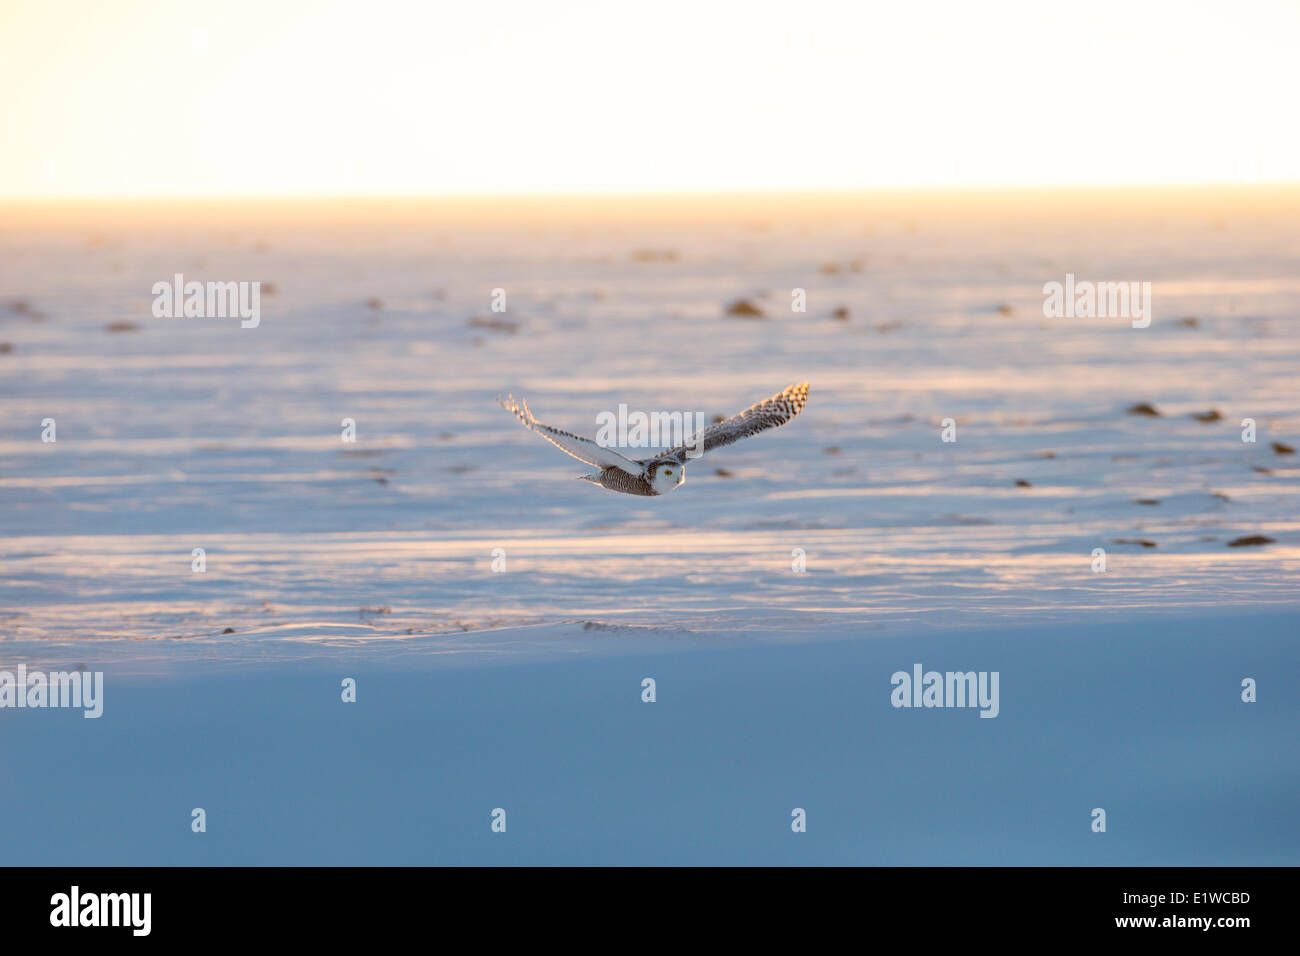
x: 583, y: 449
x: 769, y: 413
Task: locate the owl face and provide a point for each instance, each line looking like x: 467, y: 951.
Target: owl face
x: 665, y: 476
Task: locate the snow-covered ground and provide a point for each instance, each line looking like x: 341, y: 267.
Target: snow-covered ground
x: 521, y: 689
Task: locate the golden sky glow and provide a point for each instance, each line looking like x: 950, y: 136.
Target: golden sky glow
x: 282, y: 97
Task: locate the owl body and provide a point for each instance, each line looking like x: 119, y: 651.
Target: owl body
x: 658, y: 478
x: 616, y: 479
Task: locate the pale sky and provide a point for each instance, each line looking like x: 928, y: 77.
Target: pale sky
x: 314, y: 97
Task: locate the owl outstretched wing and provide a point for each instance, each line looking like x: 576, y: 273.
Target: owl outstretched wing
x: 769, y: 413
x: 583, y: 449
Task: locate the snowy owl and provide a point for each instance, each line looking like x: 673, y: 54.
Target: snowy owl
x: 661, y: 473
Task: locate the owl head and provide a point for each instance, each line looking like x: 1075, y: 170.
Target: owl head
x: 664, y: 476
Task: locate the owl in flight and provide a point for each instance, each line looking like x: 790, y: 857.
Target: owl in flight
x: 663, y: 472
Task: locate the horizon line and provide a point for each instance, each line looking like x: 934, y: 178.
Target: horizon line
x: 653, y: 194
